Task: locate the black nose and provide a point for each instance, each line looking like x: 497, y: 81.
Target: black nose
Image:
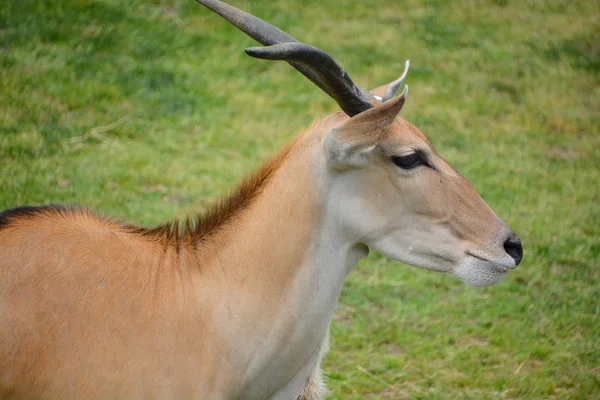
x: 514, y: 248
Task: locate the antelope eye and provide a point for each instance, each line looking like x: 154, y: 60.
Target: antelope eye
x: 409, y: 161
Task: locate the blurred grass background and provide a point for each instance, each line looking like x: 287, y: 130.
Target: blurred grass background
x: 145, y: 109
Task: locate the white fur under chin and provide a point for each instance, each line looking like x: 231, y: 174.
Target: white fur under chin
x: 476, y: 272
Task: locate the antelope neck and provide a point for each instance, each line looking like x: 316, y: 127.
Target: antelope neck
x: 279, y: 271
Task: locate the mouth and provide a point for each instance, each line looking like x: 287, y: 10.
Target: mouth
x: 476, y: 270
x: 499, y: 268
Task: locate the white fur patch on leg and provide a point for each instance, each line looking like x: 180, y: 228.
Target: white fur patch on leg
x: 315, y: 388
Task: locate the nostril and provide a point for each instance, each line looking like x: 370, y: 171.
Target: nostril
x: 514, y: 248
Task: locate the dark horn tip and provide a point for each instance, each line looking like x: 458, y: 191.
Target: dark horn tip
x: 274, y: 52
x: 253, y: 51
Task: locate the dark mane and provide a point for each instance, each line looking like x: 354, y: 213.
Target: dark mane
x: 190, y: 231
x: 9, y: 216
x: 194, y: 229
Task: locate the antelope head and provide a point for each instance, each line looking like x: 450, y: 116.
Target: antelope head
x: 385, y: 185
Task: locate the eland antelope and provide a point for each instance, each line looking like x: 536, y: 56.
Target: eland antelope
x: 236, y: 303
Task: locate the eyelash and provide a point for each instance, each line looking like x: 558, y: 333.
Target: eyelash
x: 409, y: 161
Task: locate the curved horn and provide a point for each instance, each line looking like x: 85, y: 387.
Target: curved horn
x: 350, y: 97
x: 393, y: 87
x: 259, y: 30
x: 313, y: 63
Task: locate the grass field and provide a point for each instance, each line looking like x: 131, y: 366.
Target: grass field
x: 146, y: 109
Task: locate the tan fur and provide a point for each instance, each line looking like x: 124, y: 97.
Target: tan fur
x: 90, y: 306
x: 94, y: 308
x: 205, y: 224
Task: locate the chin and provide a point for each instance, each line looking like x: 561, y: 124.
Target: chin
x: 476, y: 272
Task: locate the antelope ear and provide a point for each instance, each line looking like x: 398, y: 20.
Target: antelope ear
x: 348, y: 145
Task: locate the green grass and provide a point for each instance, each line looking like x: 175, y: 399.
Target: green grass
x: 145, y: 109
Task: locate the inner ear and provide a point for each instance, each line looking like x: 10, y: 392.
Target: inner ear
x: 343, y: 154
x: 347, y: 146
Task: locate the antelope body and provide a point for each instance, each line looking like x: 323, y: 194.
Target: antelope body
x: 237, y: 305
